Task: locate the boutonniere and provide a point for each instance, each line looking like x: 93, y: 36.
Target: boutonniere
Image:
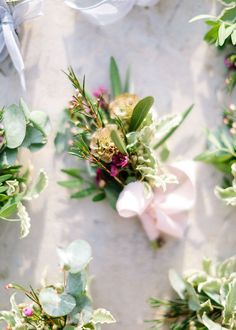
x: 123, y: 145
x: 205, y: 299
x: 222, y: 34
x: 104, y: 12
x: 221, y: 154
x: 66, y: 305
x: 20, y: 129
x: 12, y: 15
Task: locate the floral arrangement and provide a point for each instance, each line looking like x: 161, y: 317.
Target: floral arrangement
x: 20, y: 129
x: 104, y: 12
x: 12, y: 14
x: 222, y: 33
x: 66, y: 305
x: 206, y: 299
x: 221, y: 154
x: 124, y: 149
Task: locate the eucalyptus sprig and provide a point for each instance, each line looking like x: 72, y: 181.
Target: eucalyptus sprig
x: 20, y: 129
x: 222, y: 33
x: 66, y: 306
x: 205, y: 299
x: 221, y: 153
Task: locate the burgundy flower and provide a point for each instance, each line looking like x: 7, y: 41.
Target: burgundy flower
x: 120, y: 160
x: 114, y: 171
x: 230, y: 62
x: 98, y: 176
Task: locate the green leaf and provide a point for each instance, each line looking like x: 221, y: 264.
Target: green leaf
x: 14, y: 123
x: 76, y: 283
x: 102, y: 316
x: 222, y: 34
x: 99, y: 197
x: 127, y: 81
x: 227, y: 195
x: 73, y: 183
x: 201, y: 17
x: 119, y: 143
x: 140, y: 112
x: 229, y: 309
x: 211, y: 325
x: 74, y: 172
x: 8, y: 209
x: 84, y: 193
x: 25, y: 109
x: 41, y: 121
x: 115, y: 78
x: 54, y: 304
x: 38, y: 186
x: 76, y: 256
x: 193, y: 300
x: 177, y: 283
x: 172, y: 130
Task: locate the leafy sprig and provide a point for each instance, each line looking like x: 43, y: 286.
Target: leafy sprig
x: 20, y: 128
x: 206, y: 299
x: 66, y: 305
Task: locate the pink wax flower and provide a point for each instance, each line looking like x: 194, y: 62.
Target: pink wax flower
x: 100, y: 91
x: 120, y: 160
x: 28, y: 311
x: 114, y: 171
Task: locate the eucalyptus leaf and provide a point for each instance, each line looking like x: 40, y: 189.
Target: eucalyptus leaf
x: 14, y: 123
x: 76, y: 256
x: 41, y: 121
x: 55, y: 304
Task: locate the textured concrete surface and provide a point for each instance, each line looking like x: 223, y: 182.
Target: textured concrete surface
x: 170, y: 62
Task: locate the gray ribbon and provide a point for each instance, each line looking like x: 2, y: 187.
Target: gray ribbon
x: 11, y: 16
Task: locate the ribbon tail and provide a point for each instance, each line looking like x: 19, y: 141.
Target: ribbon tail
x: 150, y: 226
x: 174, y: 227
x: 11, y: 42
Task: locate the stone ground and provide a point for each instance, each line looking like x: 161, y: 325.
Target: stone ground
x: 171, y: 62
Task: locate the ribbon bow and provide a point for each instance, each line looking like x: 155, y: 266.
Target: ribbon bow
x: 161, y: 211
x: 103, y: 12
x: 11, y: 17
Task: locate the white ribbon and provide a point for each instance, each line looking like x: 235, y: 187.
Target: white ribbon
x: 161, y: 211
x: 11, y: 17
x: 103, y: 12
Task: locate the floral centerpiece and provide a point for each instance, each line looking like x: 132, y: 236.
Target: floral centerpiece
x: 124, y: 149
x: 221, y: 154
x: 205, y: 299
x: 20, y: 129
x: 65, y: 305
x: 222, y: 33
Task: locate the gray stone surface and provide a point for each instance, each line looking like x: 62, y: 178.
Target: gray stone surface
x: 170, y: 62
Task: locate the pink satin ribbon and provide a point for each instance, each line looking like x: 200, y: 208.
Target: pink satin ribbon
x: 161, y: 211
